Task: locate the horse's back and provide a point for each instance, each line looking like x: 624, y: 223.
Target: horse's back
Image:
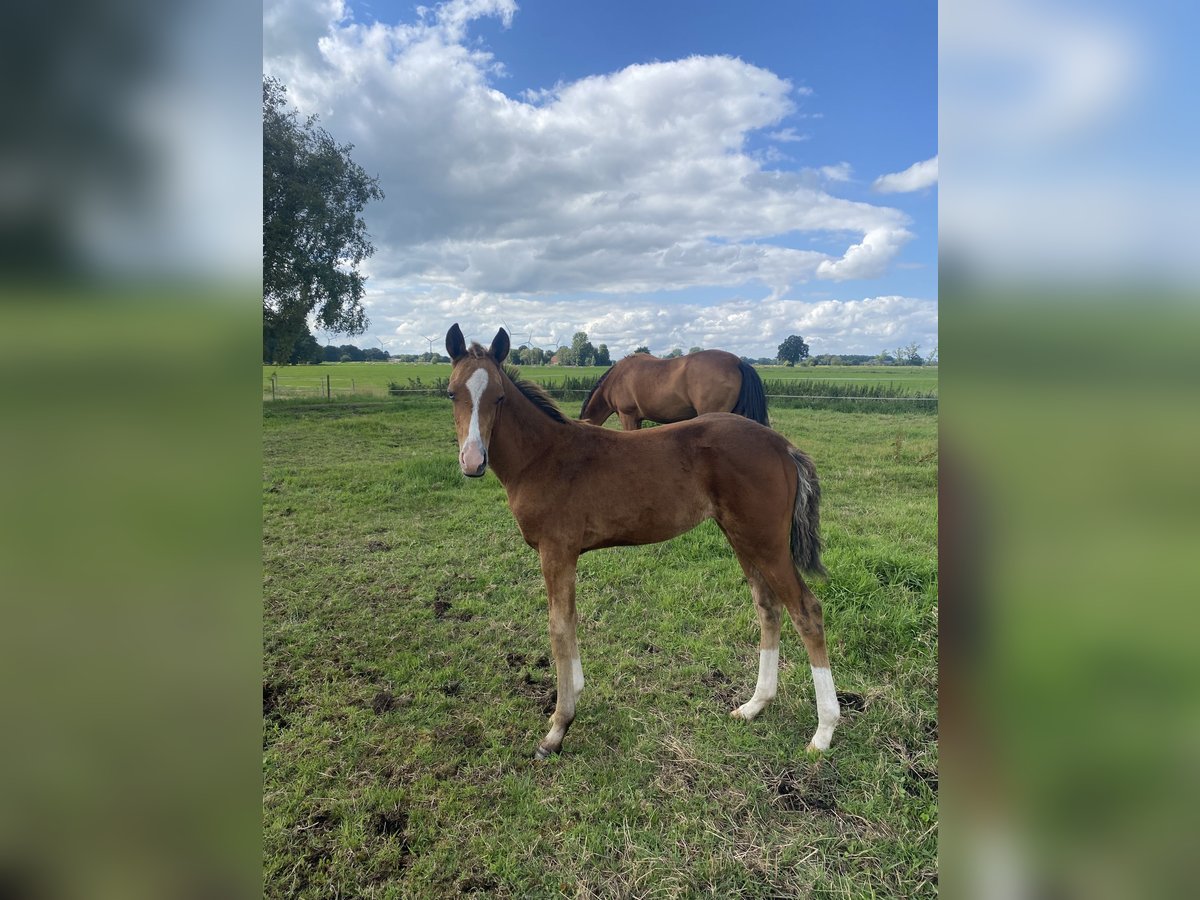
x: 677, y: 389
x: 652, y: 484
x: 724, y: 439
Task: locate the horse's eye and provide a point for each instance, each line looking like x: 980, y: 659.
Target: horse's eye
x: 450, y: 394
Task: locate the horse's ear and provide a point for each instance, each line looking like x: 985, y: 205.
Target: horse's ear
x: 500, y: 345
x: 456, y: 344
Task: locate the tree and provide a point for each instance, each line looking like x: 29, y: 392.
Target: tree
x: 304, y: 349
x: 582, y: 351
x: 642, y: 349
x: 677, y: 352
x: 793, y: 349
x: 695, y: 350
x: 313, y: 235
x: 909, y: 356
x: 602, y: 356
x: 307, y: 351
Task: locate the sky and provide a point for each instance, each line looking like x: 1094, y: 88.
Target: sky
x: 668, y: 174
x: 1068, y: 155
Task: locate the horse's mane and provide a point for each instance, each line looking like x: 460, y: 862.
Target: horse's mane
x: 595, y: 387
x: 536, y: 394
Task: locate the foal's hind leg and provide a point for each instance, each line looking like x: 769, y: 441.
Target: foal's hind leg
x: 805, y: 609
x: 769, y: 615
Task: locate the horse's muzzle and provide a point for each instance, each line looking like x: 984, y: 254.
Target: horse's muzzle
x: 473, y: 460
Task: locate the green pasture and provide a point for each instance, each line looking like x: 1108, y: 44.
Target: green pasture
x: 407, y: 679
x: 372, y: 378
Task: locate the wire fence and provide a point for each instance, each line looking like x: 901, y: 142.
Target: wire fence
x: 877, y: 397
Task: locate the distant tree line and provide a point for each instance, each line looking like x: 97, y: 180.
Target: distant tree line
x: 580, y: 353
x: 306, y: 351
x: 350, y: 353
x: 793, y: 351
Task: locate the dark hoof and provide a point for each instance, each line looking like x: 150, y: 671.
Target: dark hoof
x: 541, y: 753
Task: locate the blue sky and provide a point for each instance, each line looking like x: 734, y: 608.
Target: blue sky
x: 606, y: 167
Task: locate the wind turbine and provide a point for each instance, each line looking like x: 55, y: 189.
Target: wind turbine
x: 431, y: 340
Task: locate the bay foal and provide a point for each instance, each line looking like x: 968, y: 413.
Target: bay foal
x: 574, y: 487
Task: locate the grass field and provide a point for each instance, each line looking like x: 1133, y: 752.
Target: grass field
x: 407, y: 679
x: 373, y: 378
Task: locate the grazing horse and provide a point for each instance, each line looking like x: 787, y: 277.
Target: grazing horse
x: 562, y: 479
x: 671, y: 390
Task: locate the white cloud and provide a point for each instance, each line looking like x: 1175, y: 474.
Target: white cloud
x: 788, y: 136
x: 748, y: 327
x: 629, y: 182
x: 868, y: 259
x: 916, y: 177
x: 840, y: 172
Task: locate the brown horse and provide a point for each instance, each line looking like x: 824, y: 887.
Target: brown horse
x: 672, y: 390
x: 560, y: 477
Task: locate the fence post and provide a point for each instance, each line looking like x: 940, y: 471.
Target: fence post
x: 328, y: 395
x: 272, y: 385
x: 352, y: 386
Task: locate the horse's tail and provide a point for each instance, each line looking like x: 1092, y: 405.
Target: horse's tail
x: 806, y: 516
x: 752, y: 400
x: 591, y: 393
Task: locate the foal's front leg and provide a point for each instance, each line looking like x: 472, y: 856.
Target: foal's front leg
x: 558, y: 568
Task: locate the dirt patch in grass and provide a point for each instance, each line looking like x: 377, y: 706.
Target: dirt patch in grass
x: 392, y: 825
x: 852, y: 702
x: 442, y: 607
x: 320, y: 821
x: 720, y: 687
x: 273, y: 703
x: 386, y: 701
x: 541, y: 691
x: 476, y: 884
x: 915, y: 776
x: 378, y: 547
x: 808, y: 789
x: 515, y: 660
x: 458, y: 734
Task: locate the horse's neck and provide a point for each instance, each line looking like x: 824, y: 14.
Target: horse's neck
x: 523, y: 435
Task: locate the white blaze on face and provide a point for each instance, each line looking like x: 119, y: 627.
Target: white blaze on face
x: 472, y: 456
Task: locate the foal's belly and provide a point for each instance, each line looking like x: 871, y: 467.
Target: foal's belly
x: 649, y: 526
